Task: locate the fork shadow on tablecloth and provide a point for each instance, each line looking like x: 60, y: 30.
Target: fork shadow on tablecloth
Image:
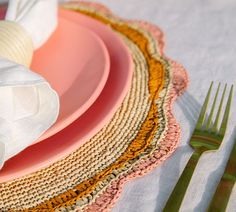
x: 191, y: 109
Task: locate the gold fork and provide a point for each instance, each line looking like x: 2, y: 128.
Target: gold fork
x: 206, y: 137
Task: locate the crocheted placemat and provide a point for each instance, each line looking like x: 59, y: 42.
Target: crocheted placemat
x: 142, y: 133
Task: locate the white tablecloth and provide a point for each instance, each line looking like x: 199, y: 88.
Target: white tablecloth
x: 201, y: 35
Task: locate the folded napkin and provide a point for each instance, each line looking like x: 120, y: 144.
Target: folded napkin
x: 29, y: 106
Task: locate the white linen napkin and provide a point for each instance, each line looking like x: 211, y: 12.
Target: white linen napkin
x: 29, y: 106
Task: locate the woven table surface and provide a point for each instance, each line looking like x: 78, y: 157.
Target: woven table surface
x: 141, y: 135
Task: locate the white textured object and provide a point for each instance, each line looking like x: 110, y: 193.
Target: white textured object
x: 38, y: 17
x: 29, y: 106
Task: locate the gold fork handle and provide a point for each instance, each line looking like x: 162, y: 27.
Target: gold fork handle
x: 221, y: 197
x: 174, y: 202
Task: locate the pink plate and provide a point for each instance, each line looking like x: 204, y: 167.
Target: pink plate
x: 100, y: 113
x: 78, y: 74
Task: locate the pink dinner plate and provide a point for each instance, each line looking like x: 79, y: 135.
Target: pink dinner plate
x: 87, y: 125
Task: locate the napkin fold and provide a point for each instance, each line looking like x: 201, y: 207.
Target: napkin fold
x: 29, y: 106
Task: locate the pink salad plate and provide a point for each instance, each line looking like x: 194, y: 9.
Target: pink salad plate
x: 76, y: 63
x: 88, y: 124
x: 78, y: 74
